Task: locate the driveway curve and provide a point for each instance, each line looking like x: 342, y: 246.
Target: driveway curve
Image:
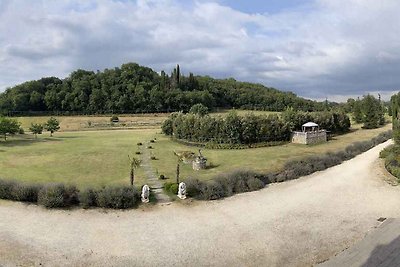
x: 296, y: 223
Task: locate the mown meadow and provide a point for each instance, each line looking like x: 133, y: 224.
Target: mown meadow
x: 100, y: 157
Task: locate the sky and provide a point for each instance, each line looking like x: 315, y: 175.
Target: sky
x: 317, y: 49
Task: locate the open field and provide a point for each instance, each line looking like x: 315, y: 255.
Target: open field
x: 126, y: 121
x: 101, y: 157
x: 82, y: 123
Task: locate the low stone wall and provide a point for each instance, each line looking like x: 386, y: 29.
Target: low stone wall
x: 309, y: 138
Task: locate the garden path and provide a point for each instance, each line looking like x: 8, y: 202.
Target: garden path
x: 156, y: 186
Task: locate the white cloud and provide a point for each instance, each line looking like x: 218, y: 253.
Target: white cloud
x: 331, y: 48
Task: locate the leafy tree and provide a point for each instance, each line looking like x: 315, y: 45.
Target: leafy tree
x: 372, y: 112
x: 8, y: 126
x: 36, y: 129
x: 395, y: 101
x: 199, y: 109
x: 357, y: 111
x: 52, y: 125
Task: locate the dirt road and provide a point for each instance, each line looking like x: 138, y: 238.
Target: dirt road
x: 296, y: 223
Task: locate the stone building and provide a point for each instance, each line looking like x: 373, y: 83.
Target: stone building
x: 310, y: 134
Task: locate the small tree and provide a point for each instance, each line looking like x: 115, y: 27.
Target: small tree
x: 36, y: 129
x: 178, y: 166
x: 8, y: 126
x: 134, y: 164
x: 52, y: 125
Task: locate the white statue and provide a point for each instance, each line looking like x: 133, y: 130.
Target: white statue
x: 182, y: 190
x: 145, y: 193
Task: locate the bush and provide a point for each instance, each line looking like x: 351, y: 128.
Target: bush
x: 88, y: 198
x: 6, y: 189
x: 58, y: 196
x: 26, y: 192
x: 117, y: 197
x: 212, y: 191
x: 171, y: 188
x: 153, y: 158
x: 21, y: 130
x: 149, y: 147
x: 114, y: 119
x: 152, y: 141
x: 138, y: 152
x: 255, y: 184
x: 194, y: 187
x: 139, y: 144
x: 162, y: 177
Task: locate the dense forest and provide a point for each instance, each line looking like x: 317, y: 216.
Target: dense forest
x: 135, y: 89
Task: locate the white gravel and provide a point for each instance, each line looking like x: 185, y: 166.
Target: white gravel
x: 296, y: 223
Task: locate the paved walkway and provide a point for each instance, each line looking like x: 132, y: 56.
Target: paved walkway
x: 380, y: 248
x: 156, y: 186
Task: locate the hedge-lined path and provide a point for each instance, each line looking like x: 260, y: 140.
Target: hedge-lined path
x: 295, y: 223
x: 156, y: 186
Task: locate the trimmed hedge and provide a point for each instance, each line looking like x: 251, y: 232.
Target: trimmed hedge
x: 64, y: 196
x: 245, y: 181
x: 391, y: 156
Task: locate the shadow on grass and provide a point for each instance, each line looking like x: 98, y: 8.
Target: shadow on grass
x: 332, y: 137
x: 27, y: 142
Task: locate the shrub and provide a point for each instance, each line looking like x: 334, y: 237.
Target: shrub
x: 255, y: 184
x: 162, y: 177
x: 171, y: 188
x: 26, y: 192
x: 153, y: 158
x: 57, y: 196
x: 139, y: 144
x: 149, y: 147
x: 6, y: 189
x: 114, y: 119
x: 138, y: 152
x: 152, y: 141
x: 174, y: 189
x: 117, y: 197
x: 212, y: 191
x: 199, y: 109
x: 21, y: 131
x: 194, y: 187
x: 88, y: 198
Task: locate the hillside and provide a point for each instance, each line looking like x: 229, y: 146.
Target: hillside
x: 132, y: 88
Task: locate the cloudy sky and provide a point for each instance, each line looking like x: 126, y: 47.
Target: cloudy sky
x: 317, y: 49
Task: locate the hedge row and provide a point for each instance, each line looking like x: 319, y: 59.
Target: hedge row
x: 249, y: 129
x: 244, y: 181
x: 391, y: 156
x: 62, y: 196
x: 213, y: 145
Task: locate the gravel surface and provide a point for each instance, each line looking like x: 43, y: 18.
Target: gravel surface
x: 296, y: 223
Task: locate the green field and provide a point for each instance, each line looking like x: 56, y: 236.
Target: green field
x: 98, y: 158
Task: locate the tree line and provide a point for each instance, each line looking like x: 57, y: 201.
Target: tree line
x: 132, y: 88
x: 248, y: 129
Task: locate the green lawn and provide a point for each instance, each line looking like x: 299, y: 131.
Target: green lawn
x: 101, y: 157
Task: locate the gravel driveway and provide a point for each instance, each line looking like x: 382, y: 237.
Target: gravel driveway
x: 296, y: 223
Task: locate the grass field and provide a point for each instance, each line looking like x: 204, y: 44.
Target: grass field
x: 101, y: 157
x: 126, y: 121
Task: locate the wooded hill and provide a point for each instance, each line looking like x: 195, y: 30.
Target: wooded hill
x: 134, y: 89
